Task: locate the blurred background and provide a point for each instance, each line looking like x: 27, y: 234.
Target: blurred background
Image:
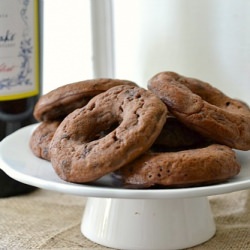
x: 135, y: 39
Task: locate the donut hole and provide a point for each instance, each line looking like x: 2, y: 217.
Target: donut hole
x: 104, y: 131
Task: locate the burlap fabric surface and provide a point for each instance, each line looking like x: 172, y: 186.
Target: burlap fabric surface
x: 51, y: 220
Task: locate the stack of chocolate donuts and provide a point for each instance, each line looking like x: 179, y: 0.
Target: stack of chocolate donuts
x: 179, y: 132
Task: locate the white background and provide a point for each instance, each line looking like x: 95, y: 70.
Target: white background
x: 206, y: 39
x: 67, y: 42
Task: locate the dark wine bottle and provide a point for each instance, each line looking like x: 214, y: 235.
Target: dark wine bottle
x: 20, y: 74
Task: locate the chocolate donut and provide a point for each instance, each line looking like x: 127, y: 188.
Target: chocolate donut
x: 203, y: 166
x: 130, y: 118
x: 204, y: 109
x: 59, y: 102
x: 41, y: 138
x: 176, y: 136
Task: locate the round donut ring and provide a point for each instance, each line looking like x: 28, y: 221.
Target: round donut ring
x: 194, y: 167
x: 133, y: 118
x: 61, y: 101
x: 204, y: 108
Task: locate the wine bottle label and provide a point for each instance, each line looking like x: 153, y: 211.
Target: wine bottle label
x: 19, y: 49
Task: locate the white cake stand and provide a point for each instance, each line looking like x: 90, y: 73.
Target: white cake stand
x: 123, y: 218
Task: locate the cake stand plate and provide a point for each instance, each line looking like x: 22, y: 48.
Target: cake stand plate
x: 126, y: 218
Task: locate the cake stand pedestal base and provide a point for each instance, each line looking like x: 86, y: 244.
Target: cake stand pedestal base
x: 148, y: 223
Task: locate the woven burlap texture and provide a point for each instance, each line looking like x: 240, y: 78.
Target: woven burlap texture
x: 51, y: 220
